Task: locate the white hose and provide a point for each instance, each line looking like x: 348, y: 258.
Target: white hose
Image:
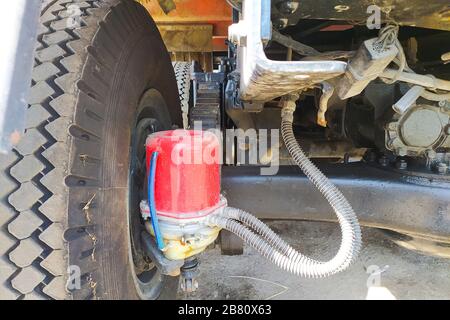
x: 275, y: 249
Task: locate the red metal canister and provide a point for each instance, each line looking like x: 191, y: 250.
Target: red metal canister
x: 187, y: 180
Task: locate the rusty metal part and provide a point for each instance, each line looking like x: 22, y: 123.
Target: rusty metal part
x: 187, y: 38
x: 167, y: 5
x: 327, y: 92
x: 187, y: 42
x: 216, y: 13
x: 325, y: 149
x: 298, y: 47
x: 262, y: 79
x: 310, y: 53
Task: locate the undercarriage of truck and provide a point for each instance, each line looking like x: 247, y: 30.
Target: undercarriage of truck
x: 155, y: 130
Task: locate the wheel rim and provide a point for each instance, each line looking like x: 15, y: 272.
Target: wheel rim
x: 148, y: 279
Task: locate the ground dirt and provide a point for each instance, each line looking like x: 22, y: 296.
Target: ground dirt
x: 383, y: 270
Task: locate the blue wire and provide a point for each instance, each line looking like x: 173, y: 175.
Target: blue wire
x: 151, y: 201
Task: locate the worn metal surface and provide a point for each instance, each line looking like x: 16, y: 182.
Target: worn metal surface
x: 216, y: 13
x: 262, y: 79
x: 428, y: 14
x: 420, y: 130
x: 189, y: 42
x: 187, y: 38
x: 381, y: 198
x: 19, y: 20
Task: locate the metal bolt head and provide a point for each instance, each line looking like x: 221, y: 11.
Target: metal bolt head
x: 442, y: 103
x: 402, y: 151
x: 383, y: 161
x: 392, y: 126
x: 442, y: 168
x: 401, y: 164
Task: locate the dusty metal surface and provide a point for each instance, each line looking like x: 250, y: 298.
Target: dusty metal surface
x: 433, y: 14
x: 216, y: 13
x: 381, y: 198
x: 189, y: 42
x: 262, y: 79
x: 187, y: 38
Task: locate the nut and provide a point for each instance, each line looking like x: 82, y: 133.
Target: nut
x: 442, y: 168
x: 401, y: 164
x: 383, y: 161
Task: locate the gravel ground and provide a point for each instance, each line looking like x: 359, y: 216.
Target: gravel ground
x: 382, y: 271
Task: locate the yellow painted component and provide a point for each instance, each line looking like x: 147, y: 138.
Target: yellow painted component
x: 177, y: 249
x: 187, y: 38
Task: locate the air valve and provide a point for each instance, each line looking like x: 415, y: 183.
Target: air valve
x: 184, y: 210
x: 186, y: 190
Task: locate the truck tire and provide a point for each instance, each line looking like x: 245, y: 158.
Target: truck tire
x: 64, y: 209
x: 183, y: 75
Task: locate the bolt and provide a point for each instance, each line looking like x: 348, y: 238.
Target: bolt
x: 383, y: 161
x: 442, y: 103
x: 401, y: 164
x: 392, y: 126
x: 287, y: 7
x: 442, y: 168
x: 402, y: 151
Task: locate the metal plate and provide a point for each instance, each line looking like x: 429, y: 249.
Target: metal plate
x: 380, y: 198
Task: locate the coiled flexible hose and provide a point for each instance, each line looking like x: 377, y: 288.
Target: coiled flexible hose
x: 275, y: 249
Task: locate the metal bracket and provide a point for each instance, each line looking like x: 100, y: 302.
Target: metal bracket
x: 263, y: 79
x: 164, y: 265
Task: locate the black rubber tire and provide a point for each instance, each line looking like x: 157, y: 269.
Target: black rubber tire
x: 183, y: 75
x: 64, y: 187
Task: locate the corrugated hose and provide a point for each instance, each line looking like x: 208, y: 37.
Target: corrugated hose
x: 260, y: 237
